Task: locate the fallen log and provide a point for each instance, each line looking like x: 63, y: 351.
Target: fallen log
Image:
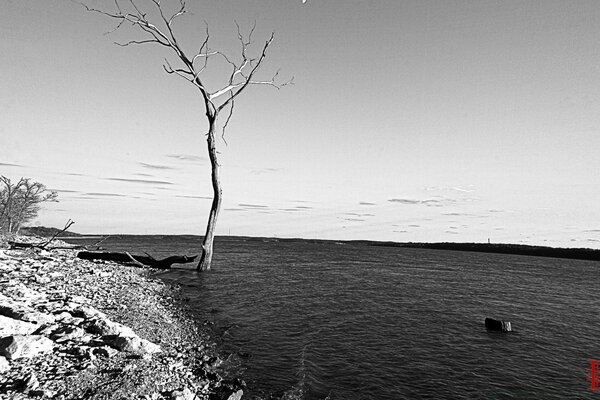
x: 127, y: 258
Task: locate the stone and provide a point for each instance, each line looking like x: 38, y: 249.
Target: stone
x: 67, y: 332
x: 21, y: 311
x: 104, y: 351
x: 497, y: 325
x: 20, y: 346
x: 11, y: 326
x: 185, y: 394
x: 236, y: 396
x: 135, y: 345
x: 106, y: 327
x: 4, y: 364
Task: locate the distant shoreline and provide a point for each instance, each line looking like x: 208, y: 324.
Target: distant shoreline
x: 495, y: 248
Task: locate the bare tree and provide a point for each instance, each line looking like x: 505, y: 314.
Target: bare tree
x: 156, y: 24
x: 20, y: 202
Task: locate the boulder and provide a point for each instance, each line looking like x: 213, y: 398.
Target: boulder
x: 20, y: 310
x: 67, y: 332
x: 185, y: 394
x: 11, y: 326
x: 4, y: 364
x: 135, y: 345
x: 20, y: 346
x: 106, y: 327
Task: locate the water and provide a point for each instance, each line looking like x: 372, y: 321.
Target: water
x: 357, y: 322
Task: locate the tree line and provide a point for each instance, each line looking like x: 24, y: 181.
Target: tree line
x: 20, y: 202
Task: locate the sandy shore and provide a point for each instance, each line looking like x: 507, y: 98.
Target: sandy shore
x: 76, y: 329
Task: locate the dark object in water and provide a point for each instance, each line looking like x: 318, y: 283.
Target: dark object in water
x: 125, y: 257
x: 497, y: 325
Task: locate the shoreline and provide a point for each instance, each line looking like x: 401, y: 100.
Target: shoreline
x: 100, y: 330
x: 574, y: 253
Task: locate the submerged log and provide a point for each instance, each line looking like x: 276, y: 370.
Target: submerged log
x: 497, y: 325
x: 148, y: 261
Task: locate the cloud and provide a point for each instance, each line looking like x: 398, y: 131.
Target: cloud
x: 194, y: 197
x: 142, y: 174
x: 235, y: 209
x: 265, y: 171
x: 354, y: 219
x: 252, y: 205
x: 366, y: 203
x: 155, y: 166
x: 431, y: 202
x: 143, y: 181
x: 405, y: 201
x: 304, y: 207
x: 96, y: 194
x: 452, y: 232
x: 360, y: 214
x: 10, y: 165
x: 63, y: 191
x: 461, y: 189
x: 186, y: 157
x: 414, y: 226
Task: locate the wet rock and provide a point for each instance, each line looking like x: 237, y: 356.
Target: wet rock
x: 20, y: 346
x: 11, y: 326
x: 236, y: 396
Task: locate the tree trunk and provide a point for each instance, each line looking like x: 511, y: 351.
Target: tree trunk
x: 207, y: 244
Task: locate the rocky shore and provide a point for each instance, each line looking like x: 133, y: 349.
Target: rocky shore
x: 77, y: 329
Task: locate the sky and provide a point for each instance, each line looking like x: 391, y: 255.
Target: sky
x: 420, y: 121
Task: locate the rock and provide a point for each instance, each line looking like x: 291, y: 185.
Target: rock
x: 87, y: 312
x: 20, y: 346
x: 20, y: 310
x: 236, y: 396
x: 67, y: 332
x: 4, y: 364
x: 185, y: 394
x: 497, y: 325
x: 106, y: 327
x: 104, y: 351
x: 135, y: 345
x: 11, y: 326
x: 31, y: 382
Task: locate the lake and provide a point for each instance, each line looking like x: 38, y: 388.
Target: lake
x: 345, y: 321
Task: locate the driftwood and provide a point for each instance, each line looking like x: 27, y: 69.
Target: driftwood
x: 140, y: 261
x: 42, y: 245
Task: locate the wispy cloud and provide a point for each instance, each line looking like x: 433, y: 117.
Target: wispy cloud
x: 360, y: 214
x: 155, y: 166
x: 63, y: 191
x: 10, y: 165
x: 366, y: 203
x: 186, y: 157
x: 431, y: 202
x: 97, y: 194
x: 265, y: 171
x: 142, y: 181
x: 252, y: 205
x: 354, y: 219
x: 304, y: 207
x: 194, y: 197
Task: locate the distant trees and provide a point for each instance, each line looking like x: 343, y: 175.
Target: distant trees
x: 156, y: 24
x: 20, y: 202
